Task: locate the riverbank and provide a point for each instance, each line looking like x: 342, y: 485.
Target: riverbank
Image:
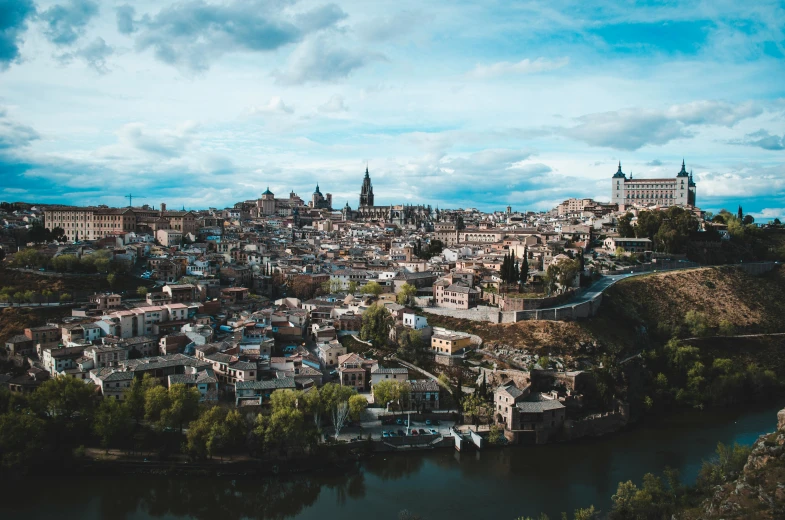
x: 436, y: 484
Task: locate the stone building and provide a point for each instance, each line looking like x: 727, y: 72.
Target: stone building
x: 663, y: 192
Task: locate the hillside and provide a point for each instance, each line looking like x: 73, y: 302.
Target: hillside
x: 649, y: 308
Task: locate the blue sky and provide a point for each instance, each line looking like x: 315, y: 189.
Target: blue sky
x: 458, y: 104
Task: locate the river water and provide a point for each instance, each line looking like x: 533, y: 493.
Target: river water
x: 438, y: 485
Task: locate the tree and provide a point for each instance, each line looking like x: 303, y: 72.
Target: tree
x: 357, y: 403
x: 201, y: 439
x: 111, y: 420
x: 495, y: 435
x: 388, y: 391
x: 340, y: 413
x: 372, y: 288
x: 748, y: 220
x: 21, y: 439
x: 141, y: 291
x: 135, y: 396
x: 111, y: 278
x: 183, y: 405
x: 406, y: 294
x: 65, y: 399
x: 376, y: 324
x: 411, y: 345
x: 619, y: 252
x: 524, y: 272
x: 624, y: 226
x: 352, y: 287
x: 65, y: 297
x: 284, y: 399
x: 303, y: 287
x: 473, y: 406
x: 156, y: 401
x: 697, y: 323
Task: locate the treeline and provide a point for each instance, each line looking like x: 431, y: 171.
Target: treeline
x: 660, y: 497
x: 101, y: 261
x: 63, y: 416
x: 676, y: 231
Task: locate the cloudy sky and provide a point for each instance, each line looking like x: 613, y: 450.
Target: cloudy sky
x: 458, y: 104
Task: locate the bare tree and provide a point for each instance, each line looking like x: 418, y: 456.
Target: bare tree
x: 340, y: 414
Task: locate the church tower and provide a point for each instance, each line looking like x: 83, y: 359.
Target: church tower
x: 366, y: 192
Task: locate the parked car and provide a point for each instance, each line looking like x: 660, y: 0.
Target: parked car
x: 427, y: 422
x: 399, y: 421
x: 385, y: 433
x: 423, y: 432
x: 436, y: 422
x: 401, y: 434
x: 433, y: 432
x: 392, y: 433
x: 414, y: 432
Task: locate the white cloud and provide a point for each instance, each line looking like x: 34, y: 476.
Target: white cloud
x: 336, y: 103
x: 276, y: 105
x: 320, y: 60
x: 525, y: 66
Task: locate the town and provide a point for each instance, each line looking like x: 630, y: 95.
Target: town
x: 295, y: 322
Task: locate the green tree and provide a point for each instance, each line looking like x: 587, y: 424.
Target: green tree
x: 202, y: 439
x: 411, y: 345
x: 141, y: 291
x: 111, y: 278
x: 474, y: 407
x: 388, y: 391
x: 22, y: 438
x: 65, y: 399
x: 156, y: 401
x: 352, y: 287
x: 135, y: 396
x: 284, y: 399
x: 65, y: 297
x: 372, y: 288
x: 523, y: 275
x: 726, y: 328
x: 112, y: 420
x: 406, y: 294
x: 376, y: 324
x: 357, y: 403
x: 697, y: 323
x: 183, y: 406
x: 495, y: 434
x: 624, y: 226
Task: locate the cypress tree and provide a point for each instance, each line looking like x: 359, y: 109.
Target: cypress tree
x: 524, y: 273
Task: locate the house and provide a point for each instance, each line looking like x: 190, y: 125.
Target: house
x: 629, y: 245
x: 57, y: 360
x: 256, y: 392
x: 379, y: 374
x: 112, y: 382
x: 330, y: 352
x: 355, y: 371
x: 527, y: 418
x: 19, y: 345
x: 424, y: 394
x: 454, y: 295
x: 203, y: 380
x: 413, y: 321
x: 46, y: 336
x: 449, y: 342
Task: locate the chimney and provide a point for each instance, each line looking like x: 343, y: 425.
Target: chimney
x: 163, y: 207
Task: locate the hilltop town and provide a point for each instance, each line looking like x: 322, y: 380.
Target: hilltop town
x: 276, y: 302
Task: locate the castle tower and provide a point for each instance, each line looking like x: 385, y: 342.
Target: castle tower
x: 366, y: 192
x: 617, y: 186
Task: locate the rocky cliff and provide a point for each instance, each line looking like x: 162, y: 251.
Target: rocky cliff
x: 759, y: 490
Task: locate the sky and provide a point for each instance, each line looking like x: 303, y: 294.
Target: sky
x: 200, y: 103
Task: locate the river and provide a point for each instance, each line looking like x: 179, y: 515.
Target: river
x: 438, y: 485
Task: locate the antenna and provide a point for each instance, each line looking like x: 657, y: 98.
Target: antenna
x: 131, y: 198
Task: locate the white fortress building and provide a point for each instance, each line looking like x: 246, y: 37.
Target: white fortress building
x: 679, y: 191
